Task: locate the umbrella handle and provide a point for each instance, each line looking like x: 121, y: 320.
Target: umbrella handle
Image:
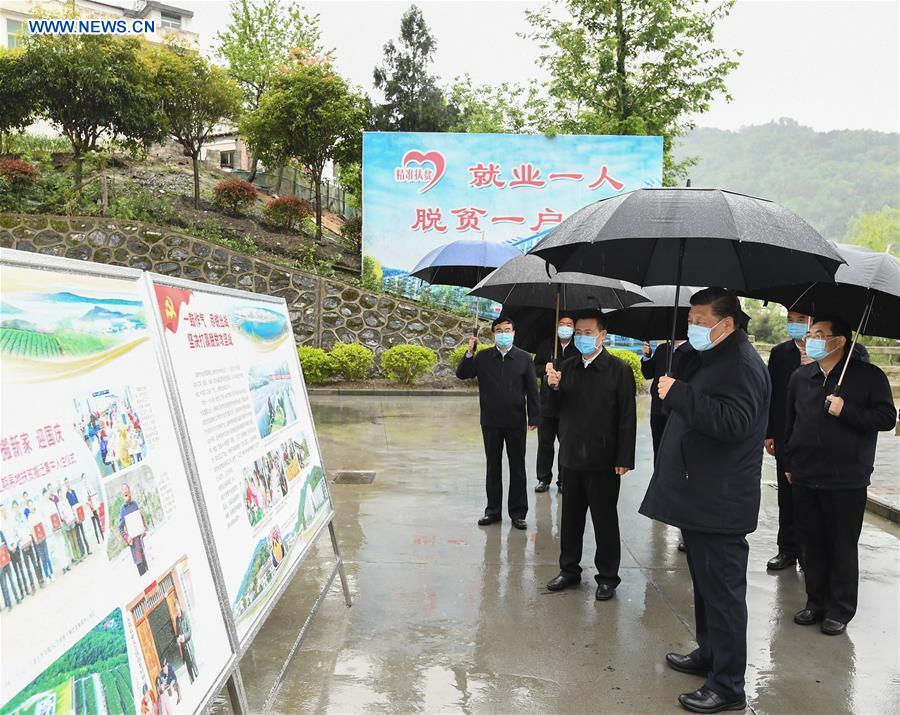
x: 862, y: 322
x: 671, y: 354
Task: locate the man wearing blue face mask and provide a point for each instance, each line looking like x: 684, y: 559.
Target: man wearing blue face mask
x: 829, y: 457
x: 508, y: 397
x: 706, y: 481
x: 548, y: 430
x: 783, y: 360
x: 594, y: 395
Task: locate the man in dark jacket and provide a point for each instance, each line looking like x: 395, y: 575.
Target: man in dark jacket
x: 507, y: 386
x: 653, y: 367
x: 706, y: 481
x: 783, y: 360
x: 548, y: 429
x: 594, y: 395
x: 830, y: 454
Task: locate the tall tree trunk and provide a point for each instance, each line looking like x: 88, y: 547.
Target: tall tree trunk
x: 195, y: 160
x: 104, y: 192
x: 79, y: 170
x: 254, y: 161
x: 317, y: 178
x: 621, y: 48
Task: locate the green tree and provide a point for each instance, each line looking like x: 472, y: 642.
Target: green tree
x: 18, y: 92
x: 487, y: 109
x: 641, y: 67
x: 259, y: 40
x: 879, y: 230
x: 414, y: 102
x: 372, y: 274
x: 311, y: 116
x: 196, y: 96
x: 95, y: 88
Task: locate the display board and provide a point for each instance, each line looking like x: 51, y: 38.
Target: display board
x: 421, y: 190
x: 110, y: 600
x: 235, y: 366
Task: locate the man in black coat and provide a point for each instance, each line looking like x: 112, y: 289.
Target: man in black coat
x: 594, y: 395
x: 706, y: 482
x: 653, y: 367
x: 507, y: 387
x: 829, y: 457
x: 783, y: 360
x: 548, y: 429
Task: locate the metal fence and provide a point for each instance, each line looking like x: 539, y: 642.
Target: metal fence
x: 295, y: 183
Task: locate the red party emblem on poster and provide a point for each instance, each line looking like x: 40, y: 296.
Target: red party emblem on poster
x: 170, y: 300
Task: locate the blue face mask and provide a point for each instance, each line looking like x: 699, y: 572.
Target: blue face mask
x: 797, y: 331
x: 698, y: 337
x: 815, y: 348
x: 503, y: 340
x: 586, y: 344
x: 565, y: 332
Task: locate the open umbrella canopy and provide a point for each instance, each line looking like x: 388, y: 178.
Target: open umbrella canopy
x: 691, y: 236
x: 528, y: 281
x: 652, y: 320
x: 463, y: 263
x: 867, y: 277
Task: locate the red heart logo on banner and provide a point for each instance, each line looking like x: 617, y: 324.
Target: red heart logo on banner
x: 433, y: 157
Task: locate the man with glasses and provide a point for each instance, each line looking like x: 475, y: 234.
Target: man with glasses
x: 706, y: 482
x: 593, y: 393
x: 830, y: 441
x: 508, y: 397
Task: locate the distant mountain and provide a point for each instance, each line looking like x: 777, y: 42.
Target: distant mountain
x: 99, y: 313
x: 826, y: 177
x: 18, y: 324
x: 7, y: 309
x: 260, y: 554
x: 67, y: 297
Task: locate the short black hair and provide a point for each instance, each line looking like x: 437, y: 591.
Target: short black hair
x: 838, y: 326
x: 723, y: 302
x: 502, y: 319
x: 592, y: 314
x: 566, y: 314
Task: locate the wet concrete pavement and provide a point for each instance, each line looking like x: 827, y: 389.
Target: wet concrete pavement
x: 452, y: 617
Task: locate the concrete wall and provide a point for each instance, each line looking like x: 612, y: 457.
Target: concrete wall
x: 323, y: 311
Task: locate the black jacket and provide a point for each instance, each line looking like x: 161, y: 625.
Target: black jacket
x: 836, y: 452
x: 544, y: 355
x: 707, y: 474
x: 505, y: 386
x: 655, y: 367
x: 597, y: 415
x: 784, y: 359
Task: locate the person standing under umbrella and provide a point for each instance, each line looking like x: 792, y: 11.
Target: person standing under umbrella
x: 508, y: 397
x: 706, y: 482
x: 653, y: 367
x: 784, y: 359
x: 548, y: 429
x: 594, y: 395
x: 830, y: 454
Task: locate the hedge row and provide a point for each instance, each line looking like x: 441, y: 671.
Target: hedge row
x: 352, y: 361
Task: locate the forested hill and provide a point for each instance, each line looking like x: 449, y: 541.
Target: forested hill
x: 826, y: 177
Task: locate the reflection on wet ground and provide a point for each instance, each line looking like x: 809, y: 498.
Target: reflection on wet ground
x: 452, y: 617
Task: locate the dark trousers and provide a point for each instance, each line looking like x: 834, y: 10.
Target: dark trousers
x: 788, y: 542
x: 718, y: 565
x: 657, y: 427
x: 19, y: 570
x: 829, y: 522
x: 548, y: 431
x: 6, y: 577
x: 32, y: 567
x: 599, y: 492
x: 82, y: 539
x: 517, y: 502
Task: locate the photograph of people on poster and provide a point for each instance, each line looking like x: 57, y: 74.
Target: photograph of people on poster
x: 110, y: 425
x: 273, y: 397
x: 136, y: 511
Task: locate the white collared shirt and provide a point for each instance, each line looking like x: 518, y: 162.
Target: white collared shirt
x: 588, y: 361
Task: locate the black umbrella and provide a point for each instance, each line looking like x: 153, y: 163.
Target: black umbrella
x: 695, y: 236
x: 652, y: 320
x: 529, y: 282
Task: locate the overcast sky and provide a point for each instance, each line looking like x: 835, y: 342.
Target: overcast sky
x: 829, y: 65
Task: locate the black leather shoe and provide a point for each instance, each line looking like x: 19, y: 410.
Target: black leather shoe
x: 604, y: 592
x: 782, y: 561
x: 831, y: 627
x: 681, y: 547
x: 706, y: 701
x: 542, y: 487
x: 520, y: 524
x: 486, y: 520
x: 562, y: 582
x: 685, y: 664
x: 807, y: 617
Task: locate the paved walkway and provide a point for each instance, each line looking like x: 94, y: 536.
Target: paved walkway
x: 451, y: 617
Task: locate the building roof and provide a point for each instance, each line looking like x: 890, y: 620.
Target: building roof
x: 147, y: 5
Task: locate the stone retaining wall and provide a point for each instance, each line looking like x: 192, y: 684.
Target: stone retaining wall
x: 323, y: 311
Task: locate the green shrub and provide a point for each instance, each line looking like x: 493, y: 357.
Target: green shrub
x: 20, y: 175
x: 372, y: 274
x: 136, y: 203
x: 318, y: 366
x: 459, y: 353
x: 634, y: 362
x: 352, y: 230
x: 234, y: 194
x: 286, y: 212
x: 406, y: 363
x: 354, y: 361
